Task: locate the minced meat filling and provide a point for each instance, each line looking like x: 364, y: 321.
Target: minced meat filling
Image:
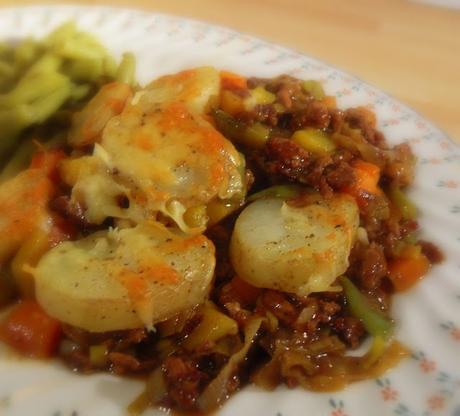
x: 303, y: 338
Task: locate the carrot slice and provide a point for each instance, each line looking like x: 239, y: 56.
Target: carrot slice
x: 231, y: 81
x: 408, y: 269
x: 367, y: 176
x: 30, y: 331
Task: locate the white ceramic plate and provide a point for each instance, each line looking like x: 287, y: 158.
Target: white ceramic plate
x: 428, y: 317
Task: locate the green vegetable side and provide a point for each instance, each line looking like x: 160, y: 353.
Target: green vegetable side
x: 40, y: 78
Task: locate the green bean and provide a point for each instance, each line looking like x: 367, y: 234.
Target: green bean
x: 126, y: 69
x: 33, y: 87
x: 20, y: 159
x: 73, y: 49
x: 44, y: 107
x: 13, y: 121
x: 79, y: 91
x: 6, y: 52
x: 85, y: 69
x: 48, y: 62
x: 4, y: 48
x: 38, y: 78
x: 6, y: 70
x: 61, y: 33
x: 26, y: 52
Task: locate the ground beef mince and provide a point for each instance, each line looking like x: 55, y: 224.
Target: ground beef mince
x: 349, y: 329
x: 363, y: 119
x: 431, y: 251
x: 302, y: 340
x: 372, y: 266
x: 183, y: 381
x: 286, y: 158
x: 400, y: 165
x: 315, y: 114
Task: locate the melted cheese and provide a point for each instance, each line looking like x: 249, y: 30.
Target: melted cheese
x: 163, y: 154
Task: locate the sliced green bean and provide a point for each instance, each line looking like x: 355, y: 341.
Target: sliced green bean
x: 48, y: 62
x: 78, y: 92
x: 13, y: 121
x: 61, y: 33
x: 44, y: 107
x: 6, y: 69
x: 26, y: 52
x: 75, y: 50
x: 33, y: 87
x: 37, y: 78
x: 87, y: 70
x: 20, y: 160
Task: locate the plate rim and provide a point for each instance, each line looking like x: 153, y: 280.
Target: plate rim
x: 277, y: 46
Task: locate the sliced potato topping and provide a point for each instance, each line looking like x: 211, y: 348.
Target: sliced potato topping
x: 121, y: 279
x: 163, y: 152
x: 23, y: 207
x: 297, y: 249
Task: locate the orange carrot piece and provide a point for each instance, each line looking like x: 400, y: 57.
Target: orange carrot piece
x: 330, y: 101
x: 408, y: 269
x: 30, y: 331
x: 232, y: 81
x: 367, y: 178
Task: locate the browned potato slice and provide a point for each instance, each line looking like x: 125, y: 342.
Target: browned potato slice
x: 124, y: 279
x: 294, y: 249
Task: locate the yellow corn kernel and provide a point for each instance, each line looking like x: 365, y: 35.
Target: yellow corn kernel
x: 313, y: 140
x: 213, y: 326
